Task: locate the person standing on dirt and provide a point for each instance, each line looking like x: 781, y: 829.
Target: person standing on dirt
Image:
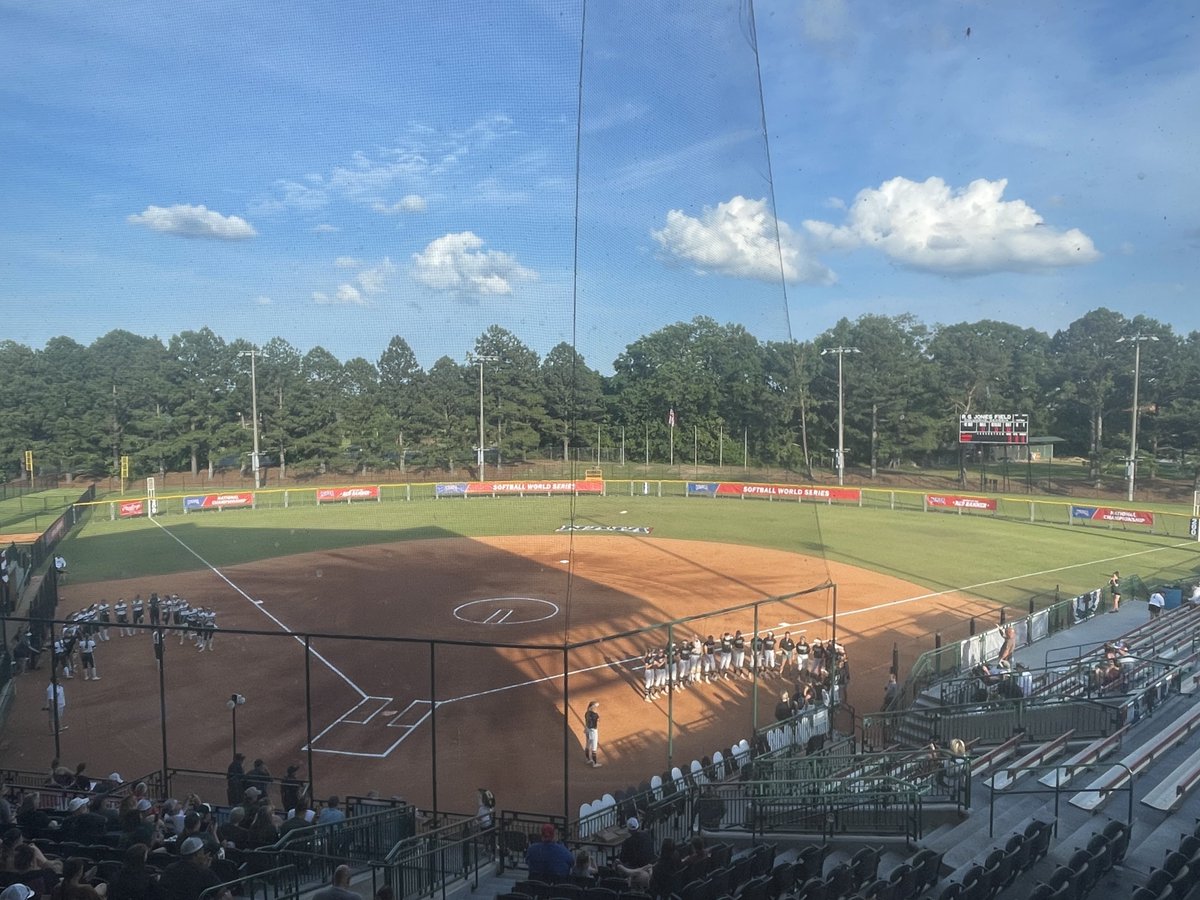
x: 591, y: 733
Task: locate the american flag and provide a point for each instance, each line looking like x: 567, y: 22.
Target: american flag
x: 671, y: 417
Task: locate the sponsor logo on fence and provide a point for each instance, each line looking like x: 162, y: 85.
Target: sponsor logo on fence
x: 219, y: 501
x: 332, y: 495
x: 131, y: 508
x: 956, y: 501
x: 801, y: 492
x: 1108, y: 514
x: 463, y: 488
x: 608, y: 529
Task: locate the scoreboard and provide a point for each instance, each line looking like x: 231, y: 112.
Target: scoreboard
x: 993, y: 428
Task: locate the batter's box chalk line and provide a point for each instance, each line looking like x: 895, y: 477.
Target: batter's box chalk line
x: 371, y: 711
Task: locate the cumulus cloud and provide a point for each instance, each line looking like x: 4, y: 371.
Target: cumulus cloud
x: 368, y: 282
x: 458, y: 264
x: 971, y: 231
x: 193, y: 222
x: 347, y: 262
x: 324, y: 228
x: 262, y: 300
x: 412, y: 203
x: 737, y: 238
x: 374, y: 279
x: 297, y: 195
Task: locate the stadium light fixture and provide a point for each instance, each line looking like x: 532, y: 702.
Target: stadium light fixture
x: 480, y: 360
x: 254, y: 461
x: 1137, y: 340
x: 841, y: 447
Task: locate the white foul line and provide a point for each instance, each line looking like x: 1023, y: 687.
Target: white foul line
x: 257, y: 604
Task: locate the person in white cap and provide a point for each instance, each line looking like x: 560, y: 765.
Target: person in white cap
x: 191, y: 875
x: 636, y: 857
x: 16, y: 892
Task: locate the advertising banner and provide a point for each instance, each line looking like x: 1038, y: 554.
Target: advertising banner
x: 1108, y: 514
x: 787, y: 491
x: 607, y: 529
x: 130, y: 508
x: 957, y: 501
x: 239, y: 500
x: 472, y: 488
x: 347, y: 494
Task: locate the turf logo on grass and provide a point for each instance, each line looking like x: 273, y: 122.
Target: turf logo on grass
x: 607, y: 529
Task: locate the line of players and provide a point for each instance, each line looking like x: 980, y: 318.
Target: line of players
x: 735, y: 655
x: 91, y: 625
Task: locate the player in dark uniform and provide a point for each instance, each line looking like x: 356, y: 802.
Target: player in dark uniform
x: 768, y: 660
x: 725, y: 660
x: 139, y: 611
x: 591, y: 732
x: 739, y: 654
x: 103, y: 619
x: 122, y: 611
x: 709, y: 659
x: 684, y: 669
x: 787, y: 650
x: 155, y: 609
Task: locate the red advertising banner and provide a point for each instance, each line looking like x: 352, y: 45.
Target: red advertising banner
x: 334, y: 495
x: 1124, y: 516
x: 955, y: 501
x: 728, y: 489
x: 130, y: 508
x: 219, y: 501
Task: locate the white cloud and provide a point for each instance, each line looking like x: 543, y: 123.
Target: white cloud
x: 347, y: 262
x: 971, y: 231
x: 349, y: 294
x: 374, y: 279
x: 412, y: 203
x: 193, y: 222
x: 324, y: 228
x: 295, y: 195
x: 365, y: 284
x: 457, y: 264
x: 262, y: 300
x: 737, y: 238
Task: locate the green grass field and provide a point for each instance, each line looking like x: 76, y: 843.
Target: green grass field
x: 35, y: 511
x: 1005, y: 560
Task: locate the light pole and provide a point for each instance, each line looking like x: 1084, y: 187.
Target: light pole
x: 234, y: 701
x: 480, y: 360
x: 841, y: 447
x: 1136, y: 340
x: 252, y: 353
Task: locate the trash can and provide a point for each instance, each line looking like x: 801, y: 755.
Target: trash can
x: 1173, y: 595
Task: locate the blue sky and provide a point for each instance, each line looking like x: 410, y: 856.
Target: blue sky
x: 335, y: 174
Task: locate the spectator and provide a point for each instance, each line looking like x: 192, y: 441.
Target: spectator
x: 74, y: 886
x: 697, y: 853
x: 891, y: 691
x: 191, y: 875
x: 332, y: 812
x: 1156, y: 603
x: 662, y: 875
x: 290, y: 789
x: 301, y: 817
x: 710, y: 809
x: 261, y: 826
x: 1008, y: 647
x: 783, y: 709
x: 12, y: 843
x: 548, y: 859
x: 34, y: 821
x: 339, y: 888
x: 235, y: 774
x: 138, y: 826
x: 636, y: 857
x: 81, y: 824
x: 259, y: 777
x: 135, y: 880
x: 583, y: 867
x: 232, y: 833
x: 41, y: 879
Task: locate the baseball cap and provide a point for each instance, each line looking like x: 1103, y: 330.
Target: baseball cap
x: 16, y: 892
x: 632, y: 824
x: 190, y: 846
x: 547, y: 832
x: 143, y: 805
x: 77, y: 803
x: 116, y: 776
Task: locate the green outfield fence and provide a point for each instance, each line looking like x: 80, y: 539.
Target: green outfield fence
x: 1015, y: 509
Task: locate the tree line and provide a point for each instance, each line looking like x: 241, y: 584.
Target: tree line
x: 185, y: 404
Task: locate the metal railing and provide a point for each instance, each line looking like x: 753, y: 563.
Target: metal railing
x: 281, y: 883
x: 427, y: 864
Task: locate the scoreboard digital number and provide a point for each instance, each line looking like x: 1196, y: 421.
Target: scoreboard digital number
x: 993, y: 428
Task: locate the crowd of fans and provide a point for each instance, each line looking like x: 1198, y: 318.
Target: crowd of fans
x: 76, y: 838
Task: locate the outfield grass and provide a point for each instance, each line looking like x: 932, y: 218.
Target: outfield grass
x: 36, y: 511
x: 1004, y: 560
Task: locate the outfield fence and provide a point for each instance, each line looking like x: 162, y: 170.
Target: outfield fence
x: 960, y: 503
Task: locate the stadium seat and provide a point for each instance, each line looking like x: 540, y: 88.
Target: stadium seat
x: 720, y: 881
x: 812, y: 889
x: 755, y: 889
x: 599, y: 893
x: 880, y: 889
x: 1039, y: 834
x: 952, y: 891
x: 865, y: 864
x: 904, y: 880
x: 928, y: 865
x: 783, y: 877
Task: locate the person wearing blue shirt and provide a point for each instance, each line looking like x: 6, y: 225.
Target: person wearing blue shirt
x: 548, y: 858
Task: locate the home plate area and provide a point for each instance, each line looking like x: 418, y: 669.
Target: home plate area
x: 374, y: 727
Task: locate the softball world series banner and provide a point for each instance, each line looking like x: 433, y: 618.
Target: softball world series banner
x: 1108, y: 514
x: 476, y: 488
x: 771, y: 491
x: 240, y: 500
x: 955, y: 501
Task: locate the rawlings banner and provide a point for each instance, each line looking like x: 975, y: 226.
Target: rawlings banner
x: 335, y: 495
x: 955, y: 501
x: 129, y: 508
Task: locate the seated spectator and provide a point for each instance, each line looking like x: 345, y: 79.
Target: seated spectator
x: 301, y: 817
x: 261, y: 826
x: 584, y: 867
x: 710, y: 809
x: 548, y: 859
x: 11, y: 845
x: 135, y: 880
x: 332, y: 812
x: 1008, y: 647
x: 783, y: 709
x: 662, y: 875
x: 74, y: 884
x: 172, y: 817
x: 1024, y: 680
x: 339, y: 888
x: 41, y: 877
x: 231, y: 833
x: 191, y: 875
x: 697, y: 853
x: 81, y: 824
